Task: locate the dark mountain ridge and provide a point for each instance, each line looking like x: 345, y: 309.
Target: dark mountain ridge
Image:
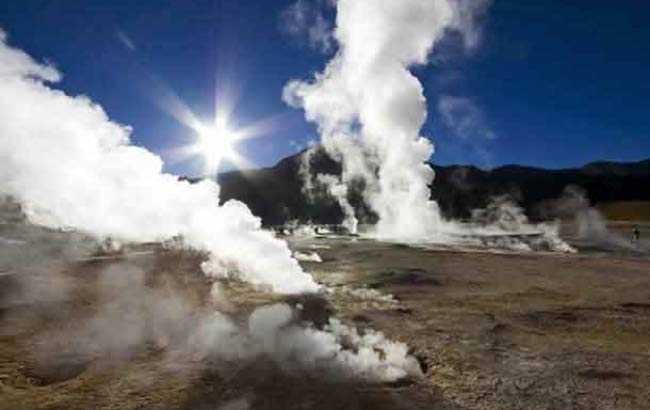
x: 275, y: 193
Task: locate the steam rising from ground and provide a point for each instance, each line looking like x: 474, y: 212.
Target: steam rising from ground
x: 503, y: 224
x: 129, y: 315
x: 132, y: 303
x: 274, y: 332
x: 588, y: 223
x: 339, y: 191
x: 332, y: 185
x: 307, y: 257
x: 369, y: 108
x: 71, y: 167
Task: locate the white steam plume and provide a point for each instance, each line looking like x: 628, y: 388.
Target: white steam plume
x: 71, y: 167
x: 333, y: 186
x: 369, y: 108
x: 503, y: 224
x: 129, y: 315
x: 339, y: 191
x: 274, y: 332
x: 588, y: 223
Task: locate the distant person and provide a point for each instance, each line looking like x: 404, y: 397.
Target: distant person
x: 636, y: 234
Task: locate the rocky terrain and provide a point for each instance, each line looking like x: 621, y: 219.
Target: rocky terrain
x: 508, y: 330
x: 90, y: 327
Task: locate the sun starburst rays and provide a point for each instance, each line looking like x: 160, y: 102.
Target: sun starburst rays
x: 217, y: 141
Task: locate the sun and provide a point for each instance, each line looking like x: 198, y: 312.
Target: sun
x: 216, y: 142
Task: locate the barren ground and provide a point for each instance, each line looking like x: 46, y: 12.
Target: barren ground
x: 491, y: 330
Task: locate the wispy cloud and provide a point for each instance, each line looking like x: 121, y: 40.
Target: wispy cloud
x: 125, y: 40
x: 468, y: 19
x: 296, y: 146
x: 465, y: 118
x: 306, y: 19
x: 468, y: 123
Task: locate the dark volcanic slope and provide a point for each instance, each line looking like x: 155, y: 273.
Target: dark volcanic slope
x: 459, y: 189
x: 275, y: 193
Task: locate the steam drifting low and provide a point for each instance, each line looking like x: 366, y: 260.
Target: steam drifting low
x: 72, y: 167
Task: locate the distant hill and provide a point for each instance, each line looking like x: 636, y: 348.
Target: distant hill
x: 275, y: 194
x: 459, y: 189
x: 617, y: 168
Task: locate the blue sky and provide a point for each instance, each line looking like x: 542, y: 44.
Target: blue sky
x: 552, y: 84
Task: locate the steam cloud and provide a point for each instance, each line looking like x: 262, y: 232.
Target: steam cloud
x: 339, y: 191
x: 305, y: 18
x: 72, y: 167
x: 503, y: 224
x: 136, y: 305
x: 369, y: 108
x: 128, y: 315
x: 333, y: 186
x: 588, y: 223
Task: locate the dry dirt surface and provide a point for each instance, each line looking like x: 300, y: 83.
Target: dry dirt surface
x: 506, y: 330
x: 490, y: 330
